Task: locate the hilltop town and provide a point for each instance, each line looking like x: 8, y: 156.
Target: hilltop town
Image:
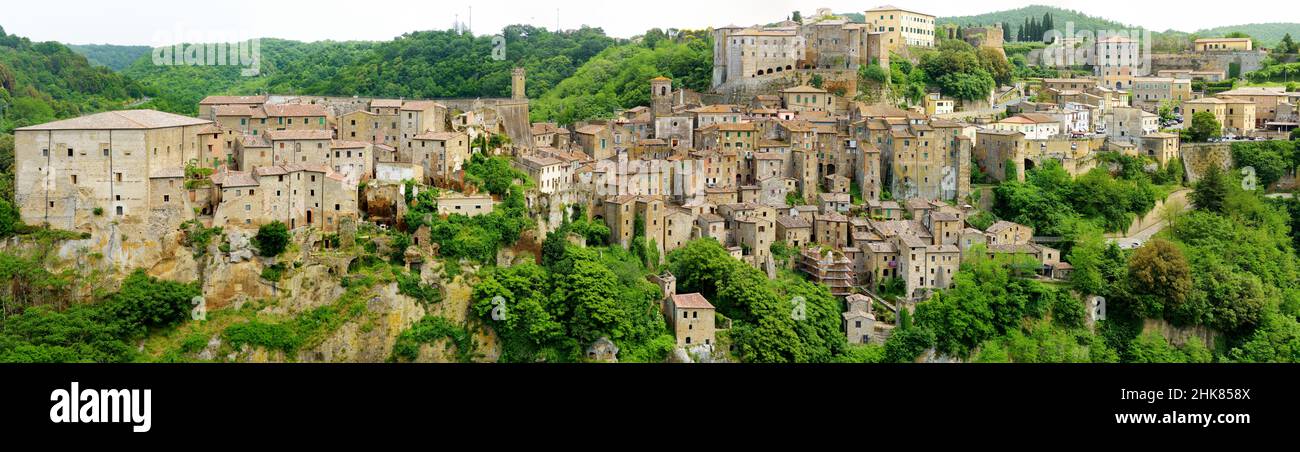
x: 798, y: 161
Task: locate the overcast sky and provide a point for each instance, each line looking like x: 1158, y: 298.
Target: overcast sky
x: 148, y: 22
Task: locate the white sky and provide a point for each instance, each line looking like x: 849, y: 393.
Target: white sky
x: 148, y: 22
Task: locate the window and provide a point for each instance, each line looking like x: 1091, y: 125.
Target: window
x: 69, y: 152
x: 119, y: 209
x: 106, y: 152
x: 167, y: 198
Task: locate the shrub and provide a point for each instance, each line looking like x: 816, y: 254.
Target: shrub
x: 272, y: 239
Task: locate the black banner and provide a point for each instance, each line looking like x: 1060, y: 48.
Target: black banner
x: 198, y: 400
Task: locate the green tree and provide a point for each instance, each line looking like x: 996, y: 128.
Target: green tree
x: 271, y: 239
x: 1211, y: 190
x: 1287, y: 45
x: 10, y: 220
x: 1203, y: 127
x: 1159, y: 269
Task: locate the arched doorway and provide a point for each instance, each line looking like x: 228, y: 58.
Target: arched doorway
x: 309, y: 217
x: 1029, y: 165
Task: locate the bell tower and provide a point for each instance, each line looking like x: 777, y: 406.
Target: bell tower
x: 517, y: 84
x: 661, y: 96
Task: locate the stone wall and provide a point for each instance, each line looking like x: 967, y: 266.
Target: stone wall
x: 1198, y: 156
x: 1250, y: 61
x: 742, y: 91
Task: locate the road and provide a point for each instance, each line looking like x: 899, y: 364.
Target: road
x: 1135, y: 240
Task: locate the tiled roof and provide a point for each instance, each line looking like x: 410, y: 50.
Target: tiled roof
x: 121, y: 120
x: 230, y: 100
x: 691, y: 301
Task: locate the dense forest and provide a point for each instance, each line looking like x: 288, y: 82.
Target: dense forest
x: 1029, y: 23
x: 115, y: 57
x: 426, y: 64
x: 617, y: 77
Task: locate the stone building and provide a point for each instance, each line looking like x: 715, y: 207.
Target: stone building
x: 1008, y: 233
x: 415, y: 118
x: 828, y: 267
x: 595, y: 140
x: 1236, y: 116
x: 859, y: 321
x: 450, y: 203
x: 902, y: 27
x: 794, y: 231
x: 208, y: 105
x: 1222, y: 44
x: 1151, y: 93
x: 441, y: 154
x: 296, y: 195
x: 65, y: 170
x: 692, y: 319
x: 805, y: 98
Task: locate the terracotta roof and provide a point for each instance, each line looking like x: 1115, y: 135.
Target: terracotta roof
x: 789, y: 222
x: 236, y: 179
x: 943, y: 216
x: 121, y: 120
x: 344, y: 144
x: 418, y: 105
x: 269, y: 171
x: 711, y: 218
x: 591, y: 129
x: 1000, y: 225
x: 237, y: 110
x: 230, y: 100
x: 804, y: 89
x: 1255, y: 91
x: 540, y: 128
x: 385, y: 103
x: 797, y: 126
x: 691, y: 301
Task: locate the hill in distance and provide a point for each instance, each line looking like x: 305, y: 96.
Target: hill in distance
x: 112, y: 56
x: 1017, y: 16
x: 1268, y: 34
